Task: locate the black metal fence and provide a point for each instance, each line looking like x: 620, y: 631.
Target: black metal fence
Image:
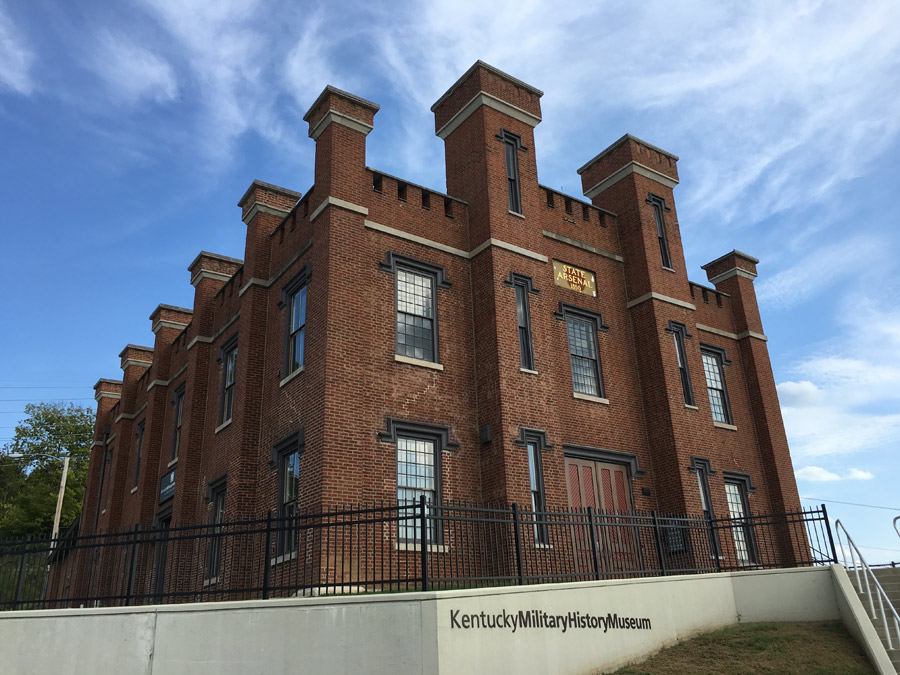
x: 392, y: 548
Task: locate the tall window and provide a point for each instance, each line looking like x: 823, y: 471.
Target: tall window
x: 523, y: 286
x: 582, y: 326
x: 535, y: 441
x: 713, y: 360
x: 418, y: 446
x: 417, y: 313
x: 583, y: 355
x: 217, y: 520
x: 288, y: 493
x: 416, y: 476
x: 229, y: 365
x: 293, y: 298
x: 512, y: 144
x: 703, y: 469
x: 104, y: 479
x: 659, y: 207
x: 139, y: 446
x: 178, y: 410
x: 679, y: 333
x: 739, y: 510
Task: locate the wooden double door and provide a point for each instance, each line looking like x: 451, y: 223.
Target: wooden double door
x: 605, y: 488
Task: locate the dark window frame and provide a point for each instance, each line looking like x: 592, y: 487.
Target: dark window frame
x: 745, y: 486
x: 178, y: 396
x: 394, y: 261
x: 138, y: 450
x: 571, y: 312
x: 286, y: 541
x: 703, y: 468
x: 722, y: 360
x: 512, y: 144
x: 523, y: 285
x: 659, y: 208
x: 439, y: 435
x: 680, y: 333
x: 215, y: 494
x: 535, y: 443
x: 228, y: 352
x: 295, y: 288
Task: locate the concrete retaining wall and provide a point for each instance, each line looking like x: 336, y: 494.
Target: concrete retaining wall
x: 560, y: 628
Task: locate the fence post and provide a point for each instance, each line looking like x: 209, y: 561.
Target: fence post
x: 519, y: 568
x: 21, y: 576
x: 595, y: 555
x: 130, y: 588
x: 830, y: 536
x: 657, y: 535
x: 423, y: 540
x: 267, y: 567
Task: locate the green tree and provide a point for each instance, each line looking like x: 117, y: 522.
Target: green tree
x: 29, y: 486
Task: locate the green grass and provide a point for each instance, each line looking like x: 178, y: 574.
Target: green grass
x: 796, y: 648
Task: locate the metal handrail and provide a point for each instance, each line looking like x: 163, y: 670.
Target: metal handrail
x: 869, y: 578
x: 897, y: 525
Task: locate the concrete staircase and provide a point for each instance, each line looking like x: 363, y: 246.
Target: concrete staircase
x: 889, y: 578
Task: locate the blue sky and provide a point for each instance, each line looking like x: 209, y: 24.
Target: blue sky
x: 128, y: 131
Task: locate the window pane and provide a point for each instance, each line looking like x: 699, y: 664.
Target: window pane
x: 532, y: 469
x: 415, y: 337
x: 511, y: 161
x: 297, y: 345
x: 520, y: 306
x: 414, y: 294
x: 290, y: 476
x: 298, y: 309
x: 581, y: 337
x: 701, y: 480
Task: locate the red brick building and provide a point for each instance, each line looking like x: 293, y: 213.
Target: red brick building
x: 500, y: 342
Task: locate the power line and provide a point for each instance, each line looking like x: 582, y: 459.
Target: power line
x: 875, y: 548
x: 868, y: 506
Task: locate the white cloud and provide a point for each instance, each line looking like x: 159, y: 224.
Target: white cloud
x: 775, y: 104
x: 844, y: 399
x: 816, y: 474
x: 16, y: 58
x: 800, y: 394
x: 821, y: 268
x: 132, y: 72
x: 832, y: 430
x: 227, y: 53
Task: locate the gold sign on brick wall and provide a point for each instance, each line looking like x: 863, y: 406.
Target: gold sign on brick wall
x: 574, y: 278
